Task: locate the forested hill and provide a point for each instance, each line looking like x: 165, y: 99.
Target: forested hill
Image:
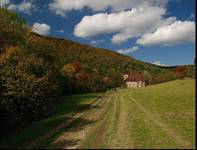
x: 105, y: 62
x: 60, y: 52
x: 35, y: 70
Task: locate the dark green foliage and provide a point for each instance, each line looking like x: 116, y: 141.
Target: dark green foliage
x: 25, y: 95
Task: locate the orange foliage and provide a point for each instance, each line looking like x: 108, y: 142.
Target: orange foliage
x: 8, y: 53
x: 77, y: 66
x: 68, y: 70
x: 81, y: 76
x: 180, y: 70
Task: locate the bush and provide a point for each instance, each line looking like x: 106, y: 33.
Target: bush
x: 24, y: 97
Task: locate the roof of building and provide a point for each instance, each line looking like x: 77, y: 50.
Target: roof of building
x: 135, y: 77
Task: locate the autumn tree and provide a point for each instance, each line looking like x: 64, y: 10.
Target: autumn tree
x: 12, y: 29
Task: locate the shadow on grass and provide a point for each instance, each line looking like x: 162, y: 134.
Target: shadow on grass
x: 65, y: 140
x: 74, y: 103
x: 60, y: 113
x: 66, y: 143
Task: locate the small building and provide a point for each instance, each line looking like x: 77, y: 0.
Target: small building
x: 134, y: 80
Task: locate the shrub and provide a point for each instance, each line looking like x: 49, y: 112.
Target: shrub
x: 25, y: 97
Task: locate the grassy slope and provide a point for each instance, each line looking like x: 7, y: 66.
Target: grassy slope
x: 158, y: 116
x: 173, y: 103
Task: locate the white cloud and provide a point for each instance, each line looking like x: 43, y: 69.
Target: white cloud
x: 127, y: 51
x: 42, y: 29
x: 146, y: 21
x: 4, y: 2
x: 61, y: 7
x: 96, y: 41
x: 25, y: 7
x: 158, y: 63
x: 123, y: 25
x: 177, y: 32
x: 60, y: 31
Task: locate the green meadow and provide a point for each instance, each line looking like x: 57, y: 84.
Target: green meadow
x: 156, y: 116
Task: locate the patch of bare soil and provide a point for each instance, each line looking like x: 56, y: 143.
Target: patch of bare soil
x: 101, y: 136
x: 72, y: 138
x: 72, y: 118
x: 100, y: 132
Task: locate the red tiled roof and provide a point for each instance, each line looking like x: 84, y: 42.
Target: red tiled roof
x: 135, y: 77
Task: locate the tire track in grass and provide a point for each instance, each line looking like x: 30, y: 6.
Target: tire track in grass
x: 110, y: 134
x: 36, y: 143
x: 172, y: 134
x: 122, y: 138
x: 100, y: 132
x: 96, y: 138
x: 69, y: 138
x: 124, y: 124
x: 109, y: 121
x: 72, y: 138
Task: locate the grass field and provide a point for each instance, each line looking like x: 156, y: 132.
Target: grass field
x: 157, y: 116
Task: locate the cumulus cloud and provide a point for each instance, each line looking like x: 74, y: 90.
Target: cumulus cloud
x: 177, y: 32
x: 61, y: 7
x: 41, y: 28
x: 158, y: 63
x: 123, y: 25
x: 127, y: 51
x: 24, y: 6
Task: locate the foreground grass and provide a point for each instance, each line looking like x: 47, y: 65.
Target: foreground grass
x: 172, y: 103
x: 157, y: 116
x: 62, y: 110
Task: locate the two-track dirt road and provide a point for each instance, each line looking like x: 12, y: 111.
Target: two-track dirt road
x: 116, y: 120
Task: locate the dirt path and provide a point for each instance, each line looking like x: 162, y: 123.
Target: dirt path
x: 167, y: 130
x: 64, y: 125
x: 100, y: 137
x: 72, y: 138
x: 108, y: 125
x: 112, y: 131
x: 123, y: 139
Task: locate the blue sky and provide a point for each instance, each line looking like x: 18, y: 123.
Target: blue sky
x: 155, y: 31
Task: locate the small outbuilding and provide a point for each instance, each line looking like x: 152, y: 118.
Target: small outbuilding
x: 134, y: 80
